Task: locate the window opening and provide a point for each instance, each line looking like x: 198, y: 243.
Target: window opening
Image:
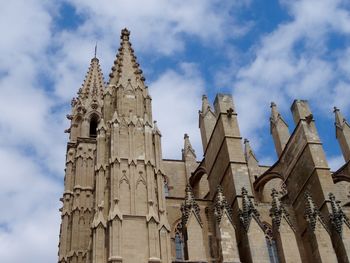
x: 93, y: 127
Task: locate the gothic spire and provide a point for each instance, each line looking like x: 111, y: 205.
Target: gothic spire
x: 342, y: 131
x: 189, y: 205
x: 248, y: 210
x: 278, y: 129
x: 188, y: 149
x: 278, y: 210
x: 221, y: 205
x: 339, y: 119
x: 205, y: 104
x: 93, y: 85
x: 312, y: 213
x: 126, y: 71
x: 337, y: 217
x: 248, y: 151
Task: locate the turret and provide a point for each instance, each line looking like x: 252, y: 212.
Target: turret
x: 278, y: 129
x: 342, y: 131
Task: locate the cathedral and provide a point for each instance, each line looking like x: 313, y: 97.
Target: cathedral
x: 123, y: 202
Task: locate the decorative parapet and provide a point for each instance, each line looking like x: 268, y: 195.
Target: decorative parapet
x: 278, y: 211
x: 248, y: 210
x: 190, y: 205
x: 221, y: 205
x: 338, y: 217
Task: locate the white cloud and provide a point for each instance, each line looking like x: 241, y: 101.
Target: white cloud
x: 176, y: 98
x: 335, y: 162
x: 29, y: 221
x: 295, y: 61
x: 42, y: 67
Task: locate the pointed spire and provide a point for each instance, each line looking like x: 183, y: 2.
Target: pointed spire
x: 126, y: 70
x: 99, y: 217
x: 207, y: 120
x: 156, y: 129
x: 205, y: 104
x: 221, y: 205
x: 337, y: 217
x: 312, y: 213
x: 188, y: 150
x: 278, y: 210
x: 342, y: 131
x: 248, y: 210
x: 189, y: 205
x: 248, y: 151
x: 278, y: 129
x: 339, y: 119
x: 101, y: 128
x: 93, y: 85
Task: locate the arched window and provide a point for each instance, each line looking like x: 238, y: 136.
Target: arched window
x: 93, y: 126
x: 179, y: 246
x: 166, y: 188
x: 271, y: 246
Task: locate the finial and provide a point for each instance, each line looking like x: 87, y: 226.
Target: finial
x: 335, y: 109
x: 205, y: 104
x: 337, y: 217
x: 246, y: 141
x: 95, y: 50
x: 248, y: 210
x: 186, y: 136
x: 125, y: 34
x: 273, y: 104
x: 189, y: 205
x: 221, y: 204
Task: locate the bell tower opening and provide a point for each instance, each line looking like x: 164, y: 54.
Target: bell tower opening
x: 93, y: 126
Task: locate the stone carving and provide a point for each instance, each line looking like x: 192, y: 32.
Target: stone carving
x: 338, y: 217
x: 278, y: 211
x: 248, y: 210
x: 221, y: 205
x: 189, y: 205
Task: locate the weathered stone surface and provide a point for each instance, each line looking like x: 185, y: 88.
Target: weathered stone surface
x: 123, y: 202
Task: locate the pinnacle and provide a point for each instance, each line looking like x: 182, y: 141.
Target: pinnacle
x: 187, y: 147
x: 248, y: 151
x: 276, y: 116
x: 156, y: 129
x: 93, y: 84
x: 205, y: 104
x: 126, y: 69
x: 339, y: 119
x: 274, y: 112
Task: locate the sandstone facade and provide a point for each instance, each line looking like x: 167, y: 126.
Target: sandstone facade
x: 123, y: 202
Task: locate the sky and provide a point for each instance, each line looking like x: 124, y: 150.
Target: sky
x: 258, y: 51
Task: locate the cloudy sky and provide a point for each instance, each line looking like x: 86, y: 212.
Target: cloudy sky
x: 259, y: 51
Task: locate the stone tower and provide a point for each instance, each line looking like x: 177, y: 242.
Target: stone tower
x: 123, y: 202
x: 113, y: 203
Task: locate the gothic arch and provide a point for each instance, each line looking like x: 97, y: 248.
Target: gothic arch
x: 178, y: 240
x: 94, y: 119
x: 264, y: 184
x: 199, y: 182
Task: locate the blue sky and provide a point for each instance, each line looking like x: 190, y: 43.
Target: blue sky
x: 259, y: 51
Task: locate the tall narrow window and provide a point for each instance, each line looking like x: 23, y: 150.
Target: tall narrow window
x: 179, y: 247
x: 166, y: 188
x: 93, y: 126
x: 271, y: 246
